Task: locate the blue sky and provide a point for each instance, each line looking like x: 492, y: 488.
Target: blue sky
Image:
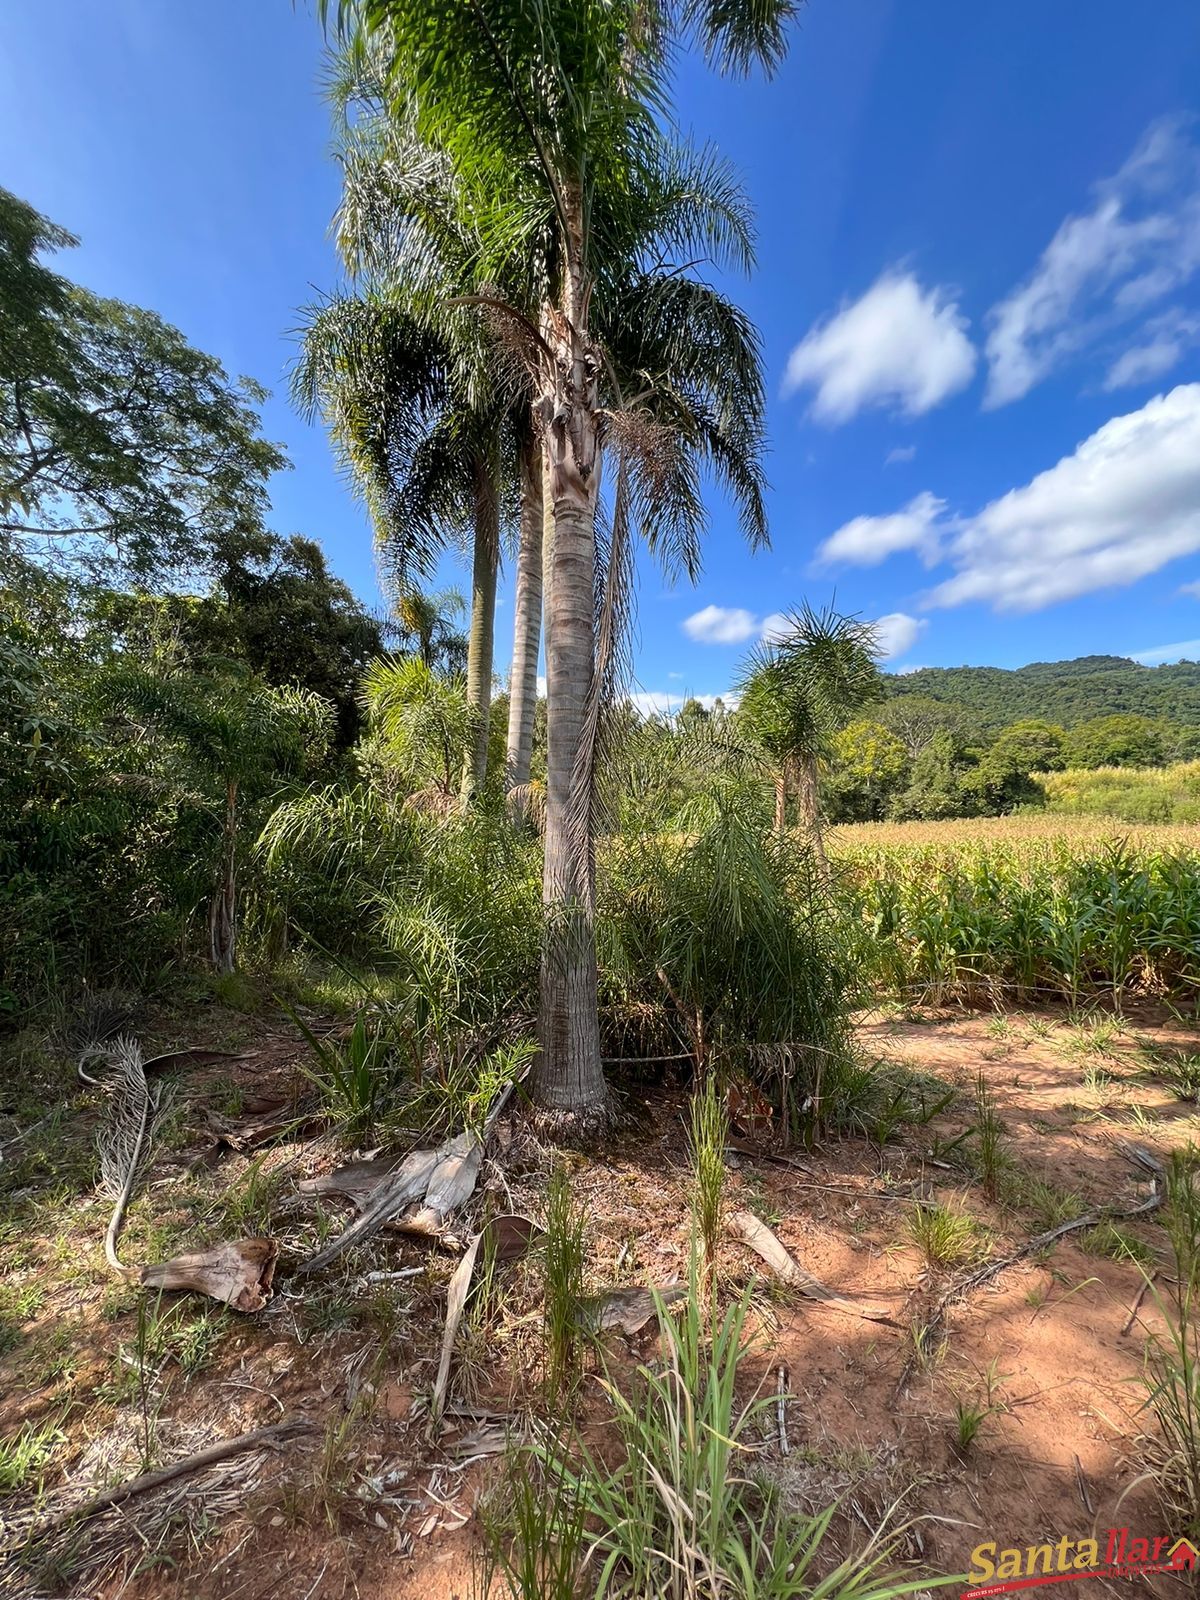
x: 978, y: 289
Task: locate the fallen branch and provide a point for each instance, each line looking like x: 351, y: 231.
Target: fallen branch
x: 1140, y: 1157
x: 269, y: 1438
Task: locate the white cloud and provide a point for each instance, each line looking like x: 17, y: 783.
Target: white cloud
x: 1166, y: 340
x: 1190, y: 588
x: 661, y: 703
x: 775, y: 627
x: 1187, y: 650
x: 896, y: 634
x: 1139, y: 242
x: 720, y: 625
x: 866, y: 541
x: 902, y: 452
x: 541, y: 688
x: 1125, y: 503
x: 899, y: 346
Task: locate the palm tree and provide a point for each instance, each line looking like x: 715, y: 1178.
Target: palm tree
x: 424, y: 719
x: 398, y: 229
x: 527, y: 617
x: 427, y: 621
x: 423, y: 452
x: 799, y: 690
x: 548, y: 117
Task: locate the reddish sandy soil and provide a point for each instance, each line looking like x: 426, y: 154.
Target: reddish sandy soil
x: 377, y: 1504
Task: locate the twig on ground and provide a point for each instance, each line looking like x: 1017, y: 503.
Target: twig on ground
x: 992, y: 1269
x: 1137, y: 1304
x: 268, y: 1438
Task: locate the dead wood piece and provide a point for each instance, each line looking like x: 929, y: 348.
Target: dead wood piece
x: 193, y: 1056
x: 781, y: 1394
x: 238, y: 1273
x: 248, y: 1133
x: 409, y: 1182
x: 1147, y: 1285
x: 766, y: 1244
x: 269, y: 1438
x: 512, y: 1233
x: 357, y: 1181
x: 627, y: 1310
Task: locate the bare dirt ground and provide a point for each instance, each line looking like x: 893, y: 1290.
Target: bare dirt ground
x: 376, y: 1502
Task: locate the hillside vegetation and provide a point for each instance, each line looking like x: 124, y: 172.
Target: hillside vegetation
x: 1066, y: 692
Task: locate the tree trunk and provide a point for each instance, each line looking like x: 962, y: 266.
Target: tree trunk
x: 808, y: 801
x: 527, y: 628
x: 222, y: 915
x: 483, y: 619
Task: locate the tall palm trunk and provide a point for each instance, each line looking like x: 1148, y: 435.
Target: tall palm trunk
x: 222, y: 913
x: 570, y: 1078
x: 483, y: 622
x: 527, y: 627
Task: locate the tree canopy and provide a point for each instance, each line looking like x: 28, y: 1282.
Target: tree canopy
x: 120, y: 442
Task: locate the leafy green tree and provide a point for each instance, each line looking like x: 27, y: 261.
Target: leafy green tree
x: 916, y: 720
x: 1029, y: 746
x: 868, y: 764
x: 119, y: 442
x: 235, y: 734
x: 1123, y: 740
x: 936, y: 789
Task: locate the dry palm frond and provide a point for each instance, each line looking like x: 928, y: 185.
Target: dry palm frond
x: 125, y: 1142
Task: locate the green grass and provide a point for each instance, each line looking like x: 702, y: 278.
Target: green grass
x: 946, y: 1237
x: 1171, y: 1381
x: 26, y: 1456
x: 708, y: 1134
x: 682, y: 1513
x: 563, y: 1284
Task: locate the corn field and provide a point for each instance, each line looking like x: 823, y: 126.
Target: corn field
x: 1024, y: 908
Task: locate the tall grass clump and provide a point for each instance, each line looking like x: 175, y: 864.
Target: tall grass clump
x: 562, y: 1260
x: 708, y: 1134
x: 682, y: 1516
x: 1172, y: 1370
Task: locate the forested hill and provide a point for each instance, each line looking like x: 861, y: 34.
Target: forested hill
x: 1065, y: 692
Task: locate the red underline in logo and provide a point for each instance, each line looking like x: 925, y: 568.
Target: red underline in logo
x: 1011, y: 1585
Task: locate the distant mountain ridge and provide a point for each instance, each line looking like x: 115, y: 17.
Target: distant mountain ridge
x: 1066, y: 692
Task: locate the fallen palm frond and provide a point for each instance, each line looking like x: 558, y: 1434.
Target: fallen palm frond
x: 126, y: 1141
x: 53, y: 1527
x: 237, y: 1273
x: 441, y: 1180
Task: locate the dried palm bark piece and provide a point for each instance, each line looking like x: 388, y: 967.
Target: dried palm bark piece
x: 238, y: 1273
x: 767, y: 1245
